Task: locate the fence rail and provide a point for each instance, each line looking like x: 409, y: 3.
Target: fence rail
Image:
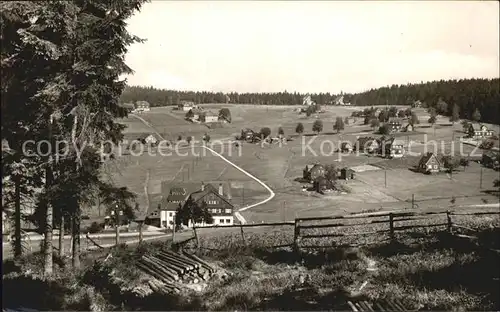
x: 380, y: 226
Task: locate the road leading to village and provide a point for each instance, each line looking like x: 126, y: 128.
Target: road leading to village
x: 237, y: 213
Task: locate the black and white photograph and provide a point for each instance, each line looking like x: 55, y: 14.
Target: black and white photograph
x: 244, y: 155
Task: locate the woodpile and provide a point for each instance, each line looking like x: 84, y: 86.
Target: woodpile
x: 171, y: 270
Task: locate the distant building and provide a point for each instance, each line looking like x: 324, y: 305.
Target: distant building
x: 491, y: 159
x: 366, y: 144
x: 346, y: 147
x: 409, y: 128
x: 142, y: 106
x: 394, y: 124
x: 185, y: 106
x: 394, y: 148
x: 314, y: 172
x: 479, y: 131
x: 346, y: 174
x: 429, y: 163
x: 416, y: 104
x: 322, y: 184
x: 209, y: 116
x: 148, y: 139
x: 196, y: 114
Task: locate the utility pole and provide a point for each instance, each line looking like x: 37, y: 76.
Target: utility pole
x: 481, y: 178
x: 242, y: 197
x: 284, y: 211
x: 385, y: 177
x: 412, y: 201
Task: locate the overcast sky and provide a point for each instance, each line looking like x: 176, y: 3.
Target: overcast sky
x: 324, y: 46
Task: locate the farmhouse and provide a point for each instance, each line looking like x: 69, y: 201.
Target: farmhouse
x: 185, y: 106
x: 346, y: 174
x: 173, y: 197
x: 209, y: 116
x: 394, y: 124
x: 409, y: 128
x: 479, y: 131
x: 195, y: 114
x: 322, y: 184
x: 149, y: 139
x: 416, y: 104
x: 394, y: 148
x: 247, y: 135
x: 366, y: 144
x: 491, y: 159
x: 346, y: 147
x: 142, y: 106
x: 312, y: 174
x: 429, y: 163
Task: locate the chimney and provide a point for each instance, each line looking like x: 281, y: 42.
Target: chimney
x: 220, y: 189
x: 202, y: 186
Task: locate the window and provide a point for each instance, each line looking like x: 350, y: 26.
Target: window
x: 164, y: 224
x: 221, y: 220
x: 435, y: 166
x: 228, y: 220
x: 169, y: 214
x: 228, y: 210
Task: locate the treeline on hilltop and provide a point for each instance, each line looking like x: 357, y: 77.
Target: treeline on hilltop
x: 467, y: 94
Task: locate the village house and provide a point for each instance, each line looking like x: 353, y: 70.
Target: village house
x: 491, y: 159
x: 409, y: 128
x: 247, y: 135
x: 142, y: 106
x: 416, y: 104
x: 175, y: 196
x: 479, y: 131
x: 346, y: 147
x: 366, y: 144
x: 394, y: 124
x: 394, y: 148
x: 322, y: 184
x: 346, y: 174
x: 209, y: 116
x: 149, y: 139
x: 312, y: 174
x: 195, y: 114
x: 185, y: 106
x: 429, y: 163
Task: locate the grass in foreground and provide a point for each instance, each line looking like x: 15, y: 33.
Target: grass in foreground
x: 438, y: 272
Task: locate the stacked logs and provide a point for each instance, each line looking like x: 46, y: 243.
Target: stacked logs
x: 174, y: 269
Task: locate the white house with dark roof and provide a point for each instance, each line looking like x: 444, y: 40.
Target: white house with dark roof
x: 162, y: 212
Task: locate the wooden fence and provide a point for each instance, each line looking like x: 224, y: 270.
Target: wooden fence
x: 347, y: 230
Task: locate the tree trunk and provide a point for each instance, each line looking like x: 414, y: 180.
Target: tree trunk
x: 61, y: 236
x: 76, y: 238
x: 48, y: 265
x: 17, y: 215
x: 117, y: 228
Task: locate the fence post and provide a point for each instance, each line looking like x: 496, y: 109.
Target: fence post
x: 391, y: 225
x: 196, y: 236
x: 450, y: 224
x: 242, y: 234
x: 296, y: 235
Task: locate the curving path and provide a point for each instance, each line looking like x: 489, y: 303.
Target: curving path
x: 237, y: 213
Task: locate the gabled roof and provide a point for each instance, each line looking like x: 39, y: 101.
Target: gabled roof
x: 394, y: 120
x: 210, y: 113
x: 317, y: 166
x: 145, y: 135
x: 477, y: 127
x: 425, y: 159
x: 143, y: 103
x: 209, y: 189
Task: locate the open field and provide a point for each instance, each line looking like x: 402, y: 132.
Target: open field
x: 279, y: 166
